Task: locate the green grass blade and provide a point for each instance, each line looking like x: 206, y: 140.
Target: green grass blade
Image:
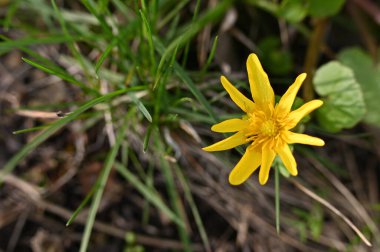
x: 172, y: 191
x: 148, y: 193
x: 141, y: 107
x: 8, y: 44
x: 30, y: 129
x: 210, y: 57
x: 147, y: 137
x: 181, y: 73
x: 100, y: 187
x: 193, y: 207
x: 150, y: 40
x: 128, y: 14
x: 187, y: 47
x: 174, y: 12
x: 55, y: 126
x: 61, y: 74
x: 192, y: 29
x: 102, y: 21
x: 12, y: 8
x: 104, y: 55
x: 71, y: 44
x: 82, y: 204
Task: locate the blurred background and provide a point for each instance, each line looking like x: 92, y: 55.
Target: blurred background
x: 106, y: 104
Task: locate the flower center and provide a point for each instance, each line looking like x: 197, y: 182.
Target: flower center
x: 269, y: 128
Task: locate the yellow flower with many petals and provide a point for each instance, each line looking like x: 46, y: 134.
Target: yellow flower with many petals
x: 266, y: 127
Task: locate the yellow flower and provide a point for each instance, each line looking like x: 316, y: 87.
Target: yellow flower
x: 266, y: 127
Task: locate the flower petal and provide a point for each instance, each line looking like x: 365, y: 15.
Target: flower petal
x: 245, y: 167
x: 262, y: 92
x: 296, y: 115
x: 230, y: 125
x: 243, y: 102
x: 287, y: 100
x: 287, y: 158
x: 268, y: 156
x: 292, y: 137
x: 228, y: 143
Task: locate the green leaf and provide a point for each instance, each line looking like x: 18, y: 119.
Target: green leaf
x: 343, y: 98
x: 368, y: 76
x: 324, y: 8
x: 293, y: 11
x: 275, y: 60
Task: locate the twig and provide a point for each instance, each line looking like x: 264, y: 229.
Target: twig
x: 117, y: 232
x: 34, y: 194
x: 365, y: 33
x: 40, y: 114
x: 333, y: 209
x: 347, y: 194
x: 371, y: 8
x: 108, y: 117
x: 17, y: 231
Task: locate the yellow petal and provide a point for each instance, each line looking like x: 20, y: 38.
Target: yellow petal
x: 268, y: 156
x: 292, y: 137
x: 246, y: 166
x: 228, y: 143
x: 296, y: 115
x: 287, y: 100
x: 288, y: 159
x: 230, y: 125
x: 243, y: 102
x: 262, y: 92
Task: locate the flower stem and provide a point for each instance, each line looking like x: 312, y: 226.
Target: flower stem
x: 277, y: 198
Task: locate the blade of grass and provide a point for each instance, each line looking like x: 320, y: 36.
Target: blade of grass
x: 11, y: 10
x: 83, y: 203
x: 193, y: 207
x: 55, y: 126
x: 150, y: 40
x: 187, y: 46
x: 61, y: 74
x: 128, y: 14
x: 141, y: 107
x: 9, y: 44
x: 210, y: 57
x: 103, y: 177
x: 71, y: 45
x: 148, y: 193
x: 181, y: 73
x: 104, y: 55
x: 172, y: 191
x: 172, y: 13
x: 103, y: 23
x: 30, y: 129
x: 147, y: 137
x: 191, y: 30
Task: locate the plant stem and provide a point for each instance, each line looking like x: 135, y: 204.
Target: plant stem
x: 277, y: 198
x: 313, y: 50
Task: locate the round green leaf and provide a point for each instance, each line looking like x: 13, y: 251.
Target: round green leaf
x: 324, y: 8
x: 368, y: 76
x: 343, y: 99
x: 293, y: 11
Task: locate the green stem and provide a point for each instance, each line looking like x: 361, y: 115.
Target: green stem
x: 277, y: 198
